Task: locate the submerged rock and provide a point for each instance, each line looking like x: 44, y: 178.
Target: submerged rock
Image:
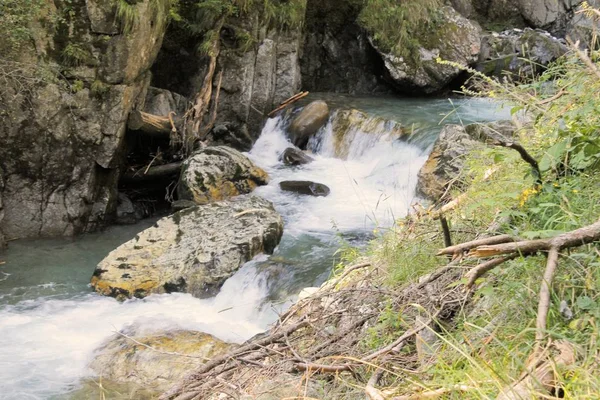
x: 451, y: 38
x: 305, y: 187
x: 171, y: 357
x: 447, y: 159
x: 293, y: 156
x: 353, y: 126
x: 308, y: 122
x: 521, y: 53
x: 217, y: 173
x: 194, y: 250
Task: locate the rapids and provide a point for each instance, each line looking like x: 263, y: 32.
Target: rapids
x: 51, y: 322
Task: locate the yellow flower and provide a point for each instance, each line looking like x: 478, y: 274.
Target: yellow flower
x: 575, y: 191
x: 527, y: 193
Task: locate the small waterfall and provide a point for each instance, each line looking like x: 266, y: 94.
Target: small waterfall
x: 366, y: 161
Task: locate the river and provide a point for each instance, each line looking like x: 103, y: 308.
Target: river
x: 51, y: 321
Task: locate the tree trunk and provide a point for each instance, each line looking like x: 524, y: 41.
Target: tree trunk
x: 152, y: 173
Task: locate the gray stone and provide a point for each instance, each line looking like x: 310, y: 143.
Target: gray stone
x: 2, y: 238
x: 162, y: 102
x: 293, y: 156
x: 102, y: 16
x: 447, y: 158
x: 453, y: 38
x: 171, y: 355
x: 308, y: 122
x: 217, y: 173
x: 519, y: 53
x: 194, y: 250
x: 126, y: 211
x: 179, y: 205
x: 305, y: 187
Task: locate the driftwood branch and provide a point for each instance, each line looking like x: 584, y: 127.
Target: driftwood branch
x: 153, y: 125
x: 510, y: 248
x: 152, y: 173
x: 288, y: 102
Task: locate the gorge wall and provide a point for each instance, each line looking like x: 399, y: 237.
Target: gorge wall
x: 64, y: 118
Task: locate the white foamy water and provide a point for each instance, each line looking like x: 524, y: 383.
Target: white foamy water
x: 374, y: 185
x: 46, y: 344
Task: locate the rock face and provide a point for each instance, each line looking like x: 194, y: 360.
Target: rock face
x: 293, y: 156
x: 454, y: 38
x: 255, y: 79
x: 217, y: 173
x: 337, y: 56
x: 521, y: 53
x: 61, y: 150
x: 194, y: 250
x: 447, y: 159
x: 305, y: 187
x: 122, y: 360
x: 308, y: 122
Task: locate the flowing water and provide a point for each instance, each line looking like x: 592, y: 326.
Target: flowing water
x: 51, y: 322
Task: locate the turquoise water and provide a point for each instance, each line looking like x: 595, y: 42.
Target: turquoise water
x: 51, y: 321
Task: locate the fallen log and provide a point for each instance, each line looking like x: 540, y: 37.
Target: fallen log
x: 152, y: 173
x: 153, y: 125
x: 288, y: 102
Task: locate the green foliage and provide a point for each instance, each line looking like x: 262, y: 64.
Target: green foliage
x: 77, y: 86
x: 15, y: 19
x: 127, y: 14
x: 396, y: 25
x: 205, y: 18
x: 99, y: 88
x: 75, y: 54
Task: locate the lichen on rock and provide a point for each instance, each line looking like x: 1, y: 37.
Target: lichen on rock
x: 194, y: 250
x: 218, y: 173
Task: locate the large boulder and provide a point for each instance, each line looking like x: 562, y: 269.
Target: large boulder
x: 194, y: 250
x: 451, y: 38
x: 308, y: 122
x: 218, y: 173
x: 519, y: 53
x: 447, y: 158
x: 155, y: 360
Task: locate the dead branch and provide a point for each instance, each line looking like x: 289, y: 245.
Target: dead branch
x: 463, y: 247
x: 544, y: 302
x: 288, y: 102
x: 197, y: 375
x: 432, y: 394
x: 481, y: 269
x: 321, y: 368
x: 152, y: 173
x: 153, y: 125
x: 541, y: 374
x: 215, y: 104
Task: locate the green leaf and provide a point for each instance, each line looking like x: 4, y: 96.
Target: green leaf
x: 585, y: 303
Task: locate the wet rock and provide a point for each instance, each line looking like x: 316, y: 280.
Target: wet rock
x: 447, y: 159
x: 293, y: 156
x: 308, y: 122
x: 452, y: 38
x: 350, y: 126
x: 520, y: 53
x: 126, y: 211
x: 218, y: 173
x: 194, y: 250
x: 305, y: 187
x: 177, y: 353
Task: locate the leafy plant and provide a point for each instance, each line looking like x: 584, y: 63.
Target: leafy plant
x: 75, y: 54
